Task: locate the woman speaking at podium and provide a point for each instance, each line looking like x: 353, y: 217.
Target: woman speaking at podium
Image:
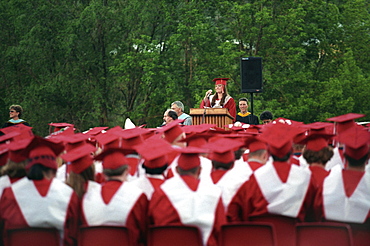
x: 221, y: 99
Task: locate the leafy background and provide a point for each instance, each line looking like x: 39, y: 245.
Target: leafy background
x: 95, y: 63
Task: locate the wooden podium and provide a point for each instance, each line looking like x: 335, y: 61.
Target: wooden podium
x: 218, y: 116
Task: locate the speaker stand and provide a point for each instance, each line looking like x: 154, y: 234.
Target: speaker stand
x: 251, y: 103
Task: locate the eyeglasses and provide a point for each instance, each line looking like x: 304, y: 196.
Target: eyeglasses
x: 11, y: 111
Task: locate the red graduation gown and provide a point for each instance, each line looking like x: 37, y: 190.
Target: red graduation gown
x: 163, y: 212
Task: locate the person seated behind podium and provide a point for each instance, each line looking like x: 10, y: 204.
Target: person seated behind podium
x: 169, y: 116
x: 221, y: 99
x: 178, y: 107
x: 244, y: 116
x: 266, y: 117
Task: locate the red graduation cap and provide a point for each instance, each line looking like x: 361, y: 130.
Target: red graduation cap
x: 222, y: 81
x: 321, y: 127
x: 108, y: 140
x: 3, y: 154
x: 9, y: 136
x: 132, y: 137
x: 189, y: 157
x: 96, y: 130
x: 286, y: 121
x: 74, y: 141
x: 80, y: 157
x: 317, y: 141
x: 22, y: 130
x: 345, y: 121
x: 155, y: 152
x: 222, y: 149
x: 301, y: 134
x: 112, y: 158
x: 17, y: 150
x: 254, y: 144
x: 196, y: 139
x: 17, y: 127
x: 356, y: 141
x: 279, y: 138
x: 218, y: 130
x: 171, y: 131
x: 44, y: 152
x: 115, y: 129
x: 60, y: 126
x: 197, y: 128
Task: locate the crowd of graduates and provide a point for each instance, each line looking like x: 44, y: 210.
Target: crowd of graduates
x: 198, y: 175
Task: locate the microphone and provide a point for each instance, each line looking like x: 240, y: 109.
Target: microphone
x: 209, y: 92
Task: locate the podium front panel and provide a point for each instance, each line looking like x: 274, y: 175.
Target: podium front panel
x: 218, y: 116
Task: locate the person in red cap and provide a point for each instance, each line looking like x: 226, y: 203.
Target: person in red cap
x: 14, y: 161
x: 186, y: 200
x: 82, y: 170
x: 221, y: 99
x: 70, y: 142
x: 173, y: 133
x: 130, y: 139
x: 227, y: 173
x: 40, y: 200
x: 154, y: 153
x: 257, y: 155
x: 344, y: 195
x: 341, y: 124
x: 317, y: 153
x: 116, y: 202
x: 277, y: 189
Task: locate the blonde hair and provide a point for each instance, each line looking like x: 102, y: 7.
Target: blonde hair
x: 14, y: 169
x: 78, y: 180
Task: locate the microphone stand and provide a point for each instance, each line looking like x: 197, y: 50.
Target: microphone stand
x: 204, y: 112
x: 204, y: 115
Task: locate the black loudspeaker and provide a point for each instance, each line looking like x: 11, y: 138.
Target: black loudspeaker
x: 251, y: 74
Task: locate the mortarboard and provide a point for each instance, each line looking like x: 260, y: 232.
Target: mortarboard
x: 222, y: 81
x: 222, y: 149
x: 3, y: 154
x: 255, y: 144
x: 42, y: 151
x: 95, y: 131
x: 345, y: 121
x: 155, y: 152
x: 9, y: 136
x: 286, y: 121
x: 74, y: 141
x: 60, y: 126
x: 112, y: 158
x: 171, y: 131
x: 17, y: 149
x: 197, y: 128
x: 317, y: 141
x: 196, y: 139
x: 108, y: 140
x: 80, y: 157
x: 132, y: 137
x: 189, y: 157
x: 279, y: 138
x: 356, y: 141
x: 22, y: 130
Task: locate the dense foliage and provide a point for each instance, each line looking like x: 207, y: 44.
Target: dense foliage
x: 94, y: 63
